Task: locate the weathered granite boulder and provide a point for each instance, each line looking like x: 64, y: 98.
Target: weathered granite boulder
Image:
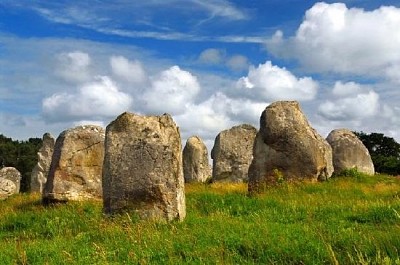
x: 288, y: 148
x: 195, y: 161
x: 41, y: 170
x: 12, y: 174
x: 142, y: 170
x: 232, y: 154
x: 349, y: 152
x: 76, y: 165
x: 7, y: 188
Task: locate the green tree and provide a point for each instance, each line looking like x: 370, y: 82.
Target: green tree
x: 384, y: 151
x: 20, y: 154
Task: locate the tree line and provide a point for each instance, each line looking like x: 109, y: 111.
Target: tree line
x: 20, y: 154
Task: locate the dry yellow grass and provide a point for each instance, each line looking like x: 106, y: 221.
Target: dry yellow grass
x: 217, y: 188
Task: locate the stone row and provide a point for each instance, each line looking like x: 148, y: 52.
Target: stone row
x: 137, y: 163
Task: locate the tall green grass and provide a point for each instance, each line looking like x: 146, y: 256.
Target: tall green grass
x: 349, y: 220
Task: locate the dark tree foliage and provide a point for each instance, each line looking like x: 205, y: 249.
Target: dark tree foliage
x: 384, y: 151
x: 20, y: 154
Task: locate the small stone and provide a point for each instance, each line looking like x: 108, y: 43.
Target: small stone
x: 232, y: 154
x: 41, y: 170
x: 195, y: 161
x: 349, y: 152
x: 12, y: 174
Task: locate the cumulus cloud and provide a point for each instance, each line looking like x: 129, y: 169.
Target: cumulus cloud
x: 171, y: 91
x: 73, y: 66
x: 351, y: 102
x: 334, y: 38
x: 131, y: 71
x: 268, y: 82
x: 94, y: 100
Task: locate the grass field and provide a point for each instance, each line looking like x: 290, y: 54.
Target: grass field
x: 348, y: 220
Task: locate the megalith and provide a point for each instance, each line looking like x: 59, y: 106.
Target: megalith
x: 7, y: 188
x: 349, y: 152
x: 41, y: 170
x: 232, y: 154
x: 142, y: 171
x: 13, y: 175
x: 196, y: 167
x: 76, y: 165
x: 287, y: 148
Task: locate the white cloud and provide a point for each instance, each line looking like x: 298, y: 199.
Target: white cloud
x: 268, y: 82
x: 73, y: 66
x: 238, y: 63
x: 351, y: 103
x: 219, y: 57
x: 219, y: 112
x: 221, y: 8
x: 171, y: 91
x: 205, y: 119
x: 131, y: 71
x: 334, y: 38
x: 212, y: 56
x: 95, y: 100
x: 349, y: 88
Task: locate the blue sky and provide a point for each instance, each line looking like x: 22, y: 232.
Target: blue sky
x: 211, y: 64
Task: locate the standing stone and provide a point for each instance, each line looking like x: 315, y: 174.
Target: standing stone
x: 76, y: 166
x: 232, y: 154
x: 195, y: 161
x: 349, y: 152
x: 143, y: 168
x: 7, y: 188
x: 288, y: 148
x: 12, y: 174
x: 41, y: 170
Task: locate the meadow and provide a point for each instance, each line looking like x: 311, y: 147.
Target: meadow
x: 353, y: 219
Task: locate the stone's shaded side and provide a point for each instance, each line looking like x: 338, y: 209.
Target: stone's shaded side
x: 287, y: 148
x: 41, y: 170
x: 7, y: 188
x: 76, y: 166
x: 12, y: 174
x: 349, y: 152
x: 142, y: 170
x: 195, y: 161
x: 232, y: 153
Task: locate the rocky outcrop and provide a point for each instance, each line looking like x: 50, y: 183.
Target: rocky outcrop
x: 41, y: 170
x: 13, y: 175
x: 76, y: 165
x: 349, y: 152
x: 232, y: 154
x: 287, y: 148
x: 195, y: 161
x: 7, y: 188
x: 142, y: 170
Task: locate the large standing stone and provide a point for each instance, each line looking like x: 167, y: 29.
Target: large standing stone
x: 41, y: 170
x: 232, y: 153
x: 12, y: 174
x: 143, y: 167
x: 288, y: 148
x: 195, y: 161
x: 76, y: 166
x: 7, y: 188
x: 349, y: 152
